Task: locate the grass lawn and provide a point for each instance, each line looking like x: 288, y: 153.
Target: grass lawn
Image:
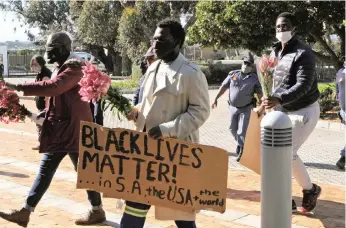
x: 132, y: 84
x: 125, y: 84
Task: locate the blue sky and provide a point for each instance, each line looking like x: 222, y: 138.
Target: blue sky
x: 9, y: 21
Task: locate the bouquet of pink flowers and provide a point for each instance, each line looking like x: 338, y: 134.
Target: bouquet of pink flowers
x: 265, y: 68
x: 10, y: 108
x: 96, y: 85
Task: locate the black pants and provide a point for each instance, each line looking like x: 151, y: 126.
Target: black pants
x: 49, y: 164
x: 135, y: 214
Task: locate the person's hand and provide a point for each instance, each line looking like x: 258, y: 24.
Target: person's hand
x: 132, y: 115
x: 41, y: 115
x: 11, y: 86
x: 270, y: 102
x: 155, y: 132
x: 214, y: 105
x: 260, y: 110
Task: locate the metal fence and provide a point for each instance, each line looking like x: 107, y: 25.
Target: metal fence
x: 325, y: 71
x: 19, y: 62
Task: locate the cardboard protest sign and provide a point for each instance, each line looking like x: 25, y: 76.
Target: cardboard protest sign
x: 170, y: 173
x: 251, y: 157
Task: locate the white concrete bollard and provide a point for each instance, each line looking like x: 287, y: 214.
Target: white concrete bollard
x: 276, y: 170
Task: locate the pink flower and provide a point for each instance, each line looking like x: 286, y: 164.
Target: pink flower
x: 273, y: 61
x: 94, y: 84
x: 263, y: 63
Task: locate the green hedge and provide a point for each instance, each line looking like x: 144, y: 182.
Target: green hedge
x: 327, y: 100
x: 323, y: 86
x: 217, y: 72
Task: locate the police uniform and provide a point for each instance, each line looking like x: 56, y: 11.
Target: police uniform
x: 241, y: 94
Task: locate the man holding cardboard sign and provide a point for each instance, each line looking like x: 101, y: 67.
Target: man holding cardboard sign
x: 175, y: 104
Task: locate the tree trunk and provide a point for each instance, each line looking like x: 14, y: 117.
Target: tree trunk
x: 127, y: 65
x: 116, y: 61
x: 190, y: 22
x: 100, y: 54
x: 340, y: 31
x: 333, y: 57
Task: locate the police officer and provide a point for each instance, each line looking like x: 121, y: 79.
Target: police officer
x: 242, y: 85
x: 340, y: 93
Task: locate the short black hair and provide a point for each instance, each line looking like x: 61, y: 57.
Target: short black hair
x: 289, y: 16
x: 176, y: 29
x: 40, y: 60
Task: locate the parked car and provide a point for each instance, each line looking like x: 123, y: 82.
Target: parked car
x: 93, y: 59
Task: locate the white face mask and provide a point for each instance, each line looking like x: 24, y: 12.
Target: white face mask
x: 36, y: 69
x: 284, y: 37
x: 245, y: 69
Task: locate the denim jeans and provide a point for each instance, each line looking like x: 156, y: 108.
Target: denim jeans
x: 135, y: 213
x: 49, y: 164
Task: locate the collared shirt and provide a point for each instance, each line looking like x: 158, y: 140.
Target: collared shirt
x: 340, y: 87
x: 241, y: 88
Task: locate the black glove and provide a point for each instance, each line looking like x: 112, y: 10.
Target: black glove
x: 155, y: 132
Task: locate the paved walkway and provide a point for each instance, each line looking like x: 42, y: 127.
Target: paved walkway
x: 63, y: 203
x: 320, y: 152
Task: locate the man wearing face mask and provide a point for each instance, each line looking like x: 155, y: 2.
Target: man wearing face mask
x: 295, y: 92
x: 340, y: 95
x: 60, y: 129
x: 38, y: 65
x: 243, y: 85
x: 149, y: 58
x: 175, y: 104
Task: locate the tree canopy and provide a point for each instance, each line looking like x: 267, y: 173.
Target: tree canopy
x: 251, y: 24
x: 124, y: 28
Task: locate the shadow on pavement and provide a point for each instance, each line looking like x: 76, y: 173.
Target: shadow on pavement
x: 330, y: 213
x: 244, y: 195
x: 323, y: 166
x: 110, y: 223
x: 10, y: 174
x: 232, y: 154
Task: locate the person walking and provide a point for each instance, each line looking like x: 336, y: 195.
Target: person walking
x: 175, y: 104
x: 38, y: 65
x: 296, y: 94
x: 242, y: 85
x: 60, y: 129
x: 340, y: 94
x: 149, y: 58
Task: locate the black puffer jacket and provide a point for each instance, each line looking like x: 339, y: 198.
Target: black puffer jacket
x: 295, y: 79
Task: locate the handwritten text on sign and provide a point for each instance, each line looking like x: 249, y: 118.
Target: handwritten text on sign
x: 166, y: 172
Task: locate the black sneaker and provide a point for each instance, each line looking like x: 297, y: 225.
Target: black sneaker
x: 240, y: 154
x: 341, y: 163
x: 294, y: 206
x: 310, y: 197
